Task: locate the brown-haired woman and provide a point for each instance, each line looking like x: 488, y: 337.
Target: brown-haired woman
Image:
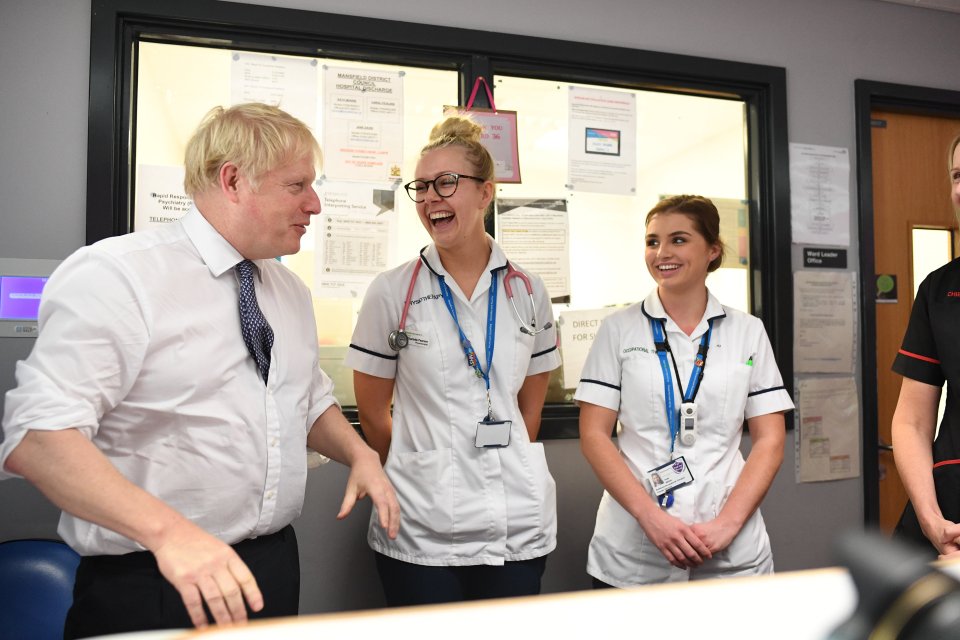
x: 681, y: 373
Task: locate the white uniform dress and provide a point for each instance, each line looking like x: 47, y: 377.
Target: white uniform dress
x: 460, y: 505
x: 740, y: 381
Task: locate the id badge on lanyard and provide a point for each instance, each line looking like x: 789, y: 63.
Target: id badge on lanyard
x: 491, y: 433
x: 682, y: 422
x: 669, y: 476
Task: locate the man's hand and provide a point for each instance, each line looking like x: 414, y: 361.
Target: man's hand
x: 332, y: 436
x: 204, y: 569
x: 367, y: 478
x: 198, y: 565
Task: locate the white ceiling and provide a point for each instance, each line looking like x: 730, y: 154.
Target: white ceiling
x: 939, y: 5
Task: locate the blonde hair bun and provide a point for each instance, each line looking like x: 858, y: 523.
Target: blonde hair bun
x: 456, y: 128
x: 464, y: 132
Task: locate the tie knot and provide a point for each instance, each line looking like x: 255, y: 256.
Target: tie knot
x: 245, y: 269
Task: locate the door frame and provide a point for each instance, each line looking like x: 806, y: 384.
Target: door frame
x: 870, y: 95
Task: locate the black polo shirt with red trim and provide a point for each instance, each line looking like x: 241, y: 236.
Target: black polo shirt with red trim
x: 930, y: 353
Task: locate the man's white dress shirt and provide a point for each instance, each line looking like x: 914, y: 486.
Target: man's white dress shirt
x: 140, y: 349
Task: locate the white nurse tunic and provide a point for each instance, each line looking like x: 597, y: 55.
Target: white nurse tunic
x: 459, y: 505
x: 740, y: 381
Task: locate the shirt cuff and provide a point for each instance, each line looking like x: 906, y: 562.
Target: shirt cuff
x: 598, y: 392
x: 764, y: 401
x: 381, y: 365
x: 544, y: 361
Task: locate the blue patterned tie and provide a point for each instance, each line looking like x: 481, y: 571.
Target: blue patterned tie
x: 257, y: 333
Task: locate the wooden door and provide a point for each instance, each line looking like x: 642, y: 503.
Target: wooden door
x: 911, y: 189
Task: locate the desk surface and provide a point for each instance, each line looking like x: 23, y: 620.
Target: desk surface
x: 802, y: 605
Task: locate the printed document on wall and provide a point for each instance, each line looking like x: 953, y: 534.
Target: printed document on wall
x: 288, y: 83
x: 602, y: 155
x: 160, y: 196
x: 355, y: 238
x: 820, y: 194
x: 363, y: 124
x: 828, y: 434
x: 536, y: 235
x: 825, y: 321
x: 577, y: 330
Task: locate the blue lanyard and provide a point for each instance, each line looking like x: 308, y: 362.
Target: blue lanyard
x: 468, y: 350
x: 696, y: 376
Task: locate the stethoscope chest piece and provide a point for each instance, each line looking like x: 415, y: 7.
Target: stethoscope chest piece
x: 398, y: 339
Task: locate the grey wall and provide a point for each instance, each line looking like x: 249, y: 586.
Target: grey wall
x: 824, y: 45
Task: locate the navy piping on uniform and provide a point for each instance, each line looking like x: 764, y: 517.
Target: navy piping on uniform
x: 602, y: 384
x: 643, y: 308
x: 544, y: 352
x: 756, y: 393
x: 427, y: 262
x: 493, y: 271
x: 373, y: 353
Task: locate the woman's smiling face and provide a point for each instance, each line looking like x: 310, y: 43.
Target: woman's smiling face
x: 455, y: 219
x: 677, y: 255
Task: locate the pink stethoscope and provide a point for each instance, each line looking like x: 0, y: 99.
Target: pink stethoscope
x: 398, y: 338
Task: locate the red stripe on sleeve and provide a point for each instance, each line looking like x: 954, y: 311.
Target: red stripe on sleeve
x: 919, y: 357
x: 946, y: 462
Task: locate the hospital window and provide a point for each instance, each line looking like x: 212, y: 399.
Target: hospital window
x: 687, y: 139
x: 931, y: 249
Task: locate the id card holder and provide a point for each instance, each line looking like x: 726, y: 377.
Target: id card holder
x: 669, y: 476
x: 493, y: 433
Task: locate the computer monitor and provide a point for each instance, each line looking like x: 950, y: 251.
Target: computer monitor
x: 21, y: 284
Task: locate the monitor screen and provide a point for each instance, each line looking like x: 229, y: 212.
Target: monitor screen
x: 20, y: 297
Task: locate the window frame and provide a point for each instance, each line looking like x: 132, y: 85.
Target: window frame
x: 117, y: 25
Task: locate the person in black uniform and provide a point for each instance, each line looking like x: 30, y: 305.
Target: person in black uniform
x: 930, y: 356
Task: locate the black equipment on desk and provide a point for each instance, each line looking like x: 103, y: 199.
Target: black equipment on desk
x: 901, y: 596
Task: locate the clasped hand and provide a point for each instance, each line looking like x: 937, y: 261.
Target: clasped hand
x: 688, y: 546
x: 946, y: 538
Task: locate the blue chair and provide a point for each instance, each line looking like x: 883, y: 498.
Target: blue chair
x: 36, y: 588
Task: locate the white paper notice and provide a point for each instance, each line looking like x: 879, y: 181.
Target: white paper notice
x: 825, y: 327
x: 536, y: 235
x: 363, y: 124
x: 288, y: 83
x: 355, y: 238
x: 577, y: 330
x: 160, y: 196
x: 603, y: 141
x: 820, y: 194
x: 828, y: 435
